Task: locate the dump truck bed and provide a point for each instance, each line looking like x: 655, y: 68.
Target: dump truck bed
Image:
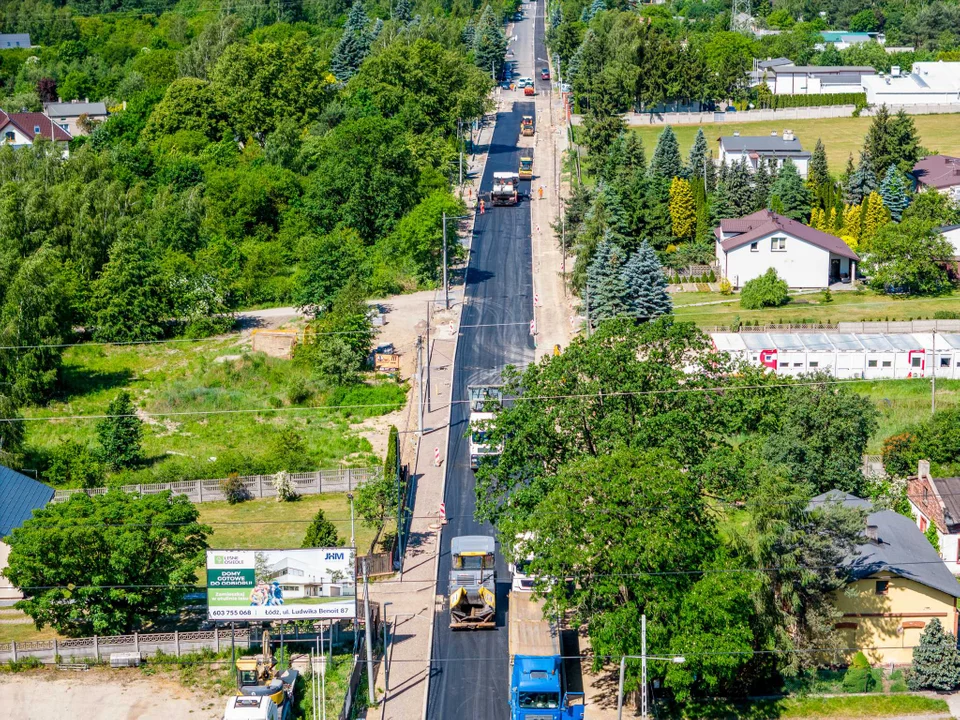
x: 530, y: 634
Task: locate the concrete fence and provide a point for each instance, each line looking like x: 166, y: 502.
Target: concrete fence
x: 258, y: 486
x: 871, y: 326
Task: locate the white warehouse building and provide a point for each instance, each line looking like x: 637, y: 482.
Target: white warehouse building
x: 927, y: 82
x: 866, y: 356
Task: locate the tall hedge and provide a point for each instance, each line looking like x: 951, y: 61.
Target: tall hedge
x: 769, y: 101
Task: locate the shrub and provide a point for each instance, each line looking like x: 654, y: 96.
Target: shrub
x: 900, y: 454
x: 946, y: 315
x: 284, y: 487
x: 936, y: 663
x: 298, y: 391
x: 898, y: 682
x: 765, y: 291
x: 859, y: 676
x: 827, y: 296
x: 726, y: 288
x: 27, y: 663
x: 233, y: 489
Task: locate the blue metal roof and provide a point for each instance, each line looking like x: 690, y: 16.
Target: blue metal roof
x: 19, y: 497
x: 525, y: 665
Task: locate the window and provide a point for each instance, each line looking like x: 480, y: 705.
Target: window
x: 754, y: 247
x: 64, y: 126
x: 923, y: 524
x: 290, y: 588
x: 814, y: 363
x: 945, y: 362
x: 784, y: 364
x: 36, y: 129
x: 916, y: 361
x: 9, y: 136
x: 798, y: 364
x: 885, y: 363
x: 778, y: 244
x: 882, y: 587
x: 871, y: 363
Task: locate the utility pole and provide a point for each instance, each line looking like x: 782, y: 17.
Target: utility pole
x: 420, y: 385
x: 933, y: 376
x: 446, y: 285
x: 353, y: 537
x: 677, y: 659
x: 371, y: 696
x: 586, y: 300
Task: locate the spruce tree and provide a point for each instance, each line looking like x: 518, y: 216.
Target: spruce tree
x: 354, y: 45
x: 721, y: 207
x: 683, y: 210
x: 877, y: 141
x: 489, y: 42
x: 666, y: 161
x: 710, y: 179
x: 861, y: 182
x: 590, y: 11
x: 357, y: 19
x: 469, y: 33
x: 556, y: 16
x: 847, y: 171
x: 792, y: 195
x: 646, y: 285
x: 762, y: 182
x: 819, y: 173
x: 904, y: 141
x: 936, y: 663
x: 403, y: 11
x: 321, y: 533
x: 894, y: 193
x: 606, y: 288
x: 698, y: 156
x: 740, y: 188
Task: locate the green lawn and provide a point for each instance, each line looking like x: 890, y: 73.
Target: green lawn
x: 268, y: 524
x: 841, y: 136
x: 14, y: 629
x: 846, y: 306
x: 187, y: 377
x: 834, y: 708
x: 904, y: 402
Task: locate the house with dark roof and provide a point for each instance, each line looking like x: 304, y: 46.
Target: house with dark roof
x: 935, y: 501
x: 803, y: 256
x: 772, y: 149
x: 22, y: 129
x: 19, y: 497
x: 897, y: 583
x: 76, y: 117
x: 940, y: 172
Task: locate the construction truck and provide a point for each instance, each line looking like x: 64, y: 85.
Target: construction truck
x: 538, y: 688
x: 506, y: 188
x: 473, y: 583
x: 265, y: 694
x: 526, y: 125
x: 526, y: 168
x: 485, y: 401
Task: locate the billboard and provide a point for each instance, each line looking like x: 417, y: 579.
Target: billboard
x: 281, y: 584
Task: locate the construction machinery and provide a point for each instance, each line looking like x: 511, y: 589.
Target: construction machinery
x: 485, y: 401
x: 526, y: 125
x: 265, y: 694
x: 538, y: 688
x: 506, y: 188
x: 473, y: 583
x: 526, y: 168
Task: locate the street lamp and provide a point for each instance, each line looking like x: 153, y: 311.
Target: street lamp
x: 676, y: 659
x: 446, y: 287
x: 353, y: 540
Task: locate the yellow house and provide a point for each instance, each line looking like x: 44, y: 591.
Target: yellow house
x: 898, y: 584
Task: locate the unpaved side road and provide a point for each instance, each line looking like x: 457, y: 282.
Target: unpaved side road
x: 102, y: 695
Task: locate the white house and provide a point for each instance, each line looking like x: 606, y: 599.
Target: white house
x: 817, y: 80
x: 805, y: 257
x: 842, y: 39
x: 927, y: 82
x: 297, y: 580
x: 772, y: 148
x: 21, y: 129
x: 67, y: 115
x: 936, y: 501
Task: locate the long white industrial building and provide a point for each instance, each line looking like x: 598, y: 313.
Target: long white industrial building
x: 848, y: 355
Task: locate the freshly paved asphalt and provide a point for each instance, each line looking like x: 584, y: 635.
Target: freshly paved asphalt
x: 470, y: 670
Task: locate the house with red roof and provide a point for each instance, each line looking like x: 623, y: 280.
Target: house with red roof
x: 22, y: 129
x: 940, y: 172
x: 803, y: 256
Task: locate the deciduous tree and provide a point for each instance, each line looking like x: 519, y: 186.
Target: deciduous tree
x: 121, y: 433
x: 909, y: 257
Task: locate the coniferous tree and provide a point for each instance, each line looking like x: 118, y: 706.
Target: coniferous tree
x: 357, y: 19
x: 936, y: 662
x: 740, y: 188
x: 321, y: 533
x: 591, y: 10
x: 121, y: 433
x: 489, y: 42
x: 607, y: 292
x: 403, y: 11
x: 905, y: 141
x: 354, y: 45
x: 722, y: 208
x: 710, y: 179
x: 791, y: 194
x: 683, y: 210
x: 699, y: 156
x: 646, y: 285
x: 875, y: 216
x: 876, y: 144
x: 666, y: 162
x: 762, y: 182
x: 852, y: 228
x: 556, y: 16
x: 819, y: 173
x: 894, y: 193
x: 469, y: 33
x: 861, y: 182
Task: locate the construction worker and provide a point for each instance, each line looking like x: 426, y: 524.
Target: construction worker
x: 540, y: 191
x: 482, y: 209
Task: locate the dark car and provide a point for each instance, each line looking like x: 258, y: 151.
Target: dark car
x: 545, y: 74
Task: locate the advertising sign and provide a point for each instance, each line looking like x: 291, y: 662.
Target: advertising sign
x: 281, y: 584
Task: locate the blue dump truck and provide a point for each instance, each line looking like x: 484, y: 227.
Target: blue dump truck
x: 538, y: 688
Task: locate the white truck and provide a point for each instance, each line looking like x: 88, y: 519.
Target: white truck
x: 485, y: 400
x: 506, y: 188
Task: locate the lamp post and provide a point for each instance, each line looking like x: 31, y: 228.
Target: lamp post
x: 446, y: 286
x: 353, y: 539
x: 643, y: 657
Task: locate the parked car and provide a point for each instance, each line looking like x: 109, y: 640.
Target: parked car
x: 545, y: 74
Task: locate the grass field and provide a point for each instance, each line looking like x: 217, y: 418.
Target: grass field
x: 903, y: 403
x: 846, y: 306
x: 835, y: 708
x: 841, y: 136
x: 210, y: 375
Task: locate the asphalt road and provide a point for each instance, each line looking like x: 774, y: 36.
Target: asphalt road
x: 470, y: 670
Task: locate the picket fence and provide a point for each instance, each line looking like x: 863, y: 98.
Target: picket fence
x: 257, y: 486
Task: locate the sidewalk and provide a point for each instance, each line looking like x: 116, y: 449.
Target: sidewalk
x: 409, y: 601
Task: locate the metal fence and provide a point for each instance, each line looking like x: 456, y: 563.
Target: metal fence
x: 257, y: 486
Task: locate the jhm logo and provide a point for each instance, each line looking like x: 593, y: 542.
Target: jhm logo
x: 334, y: 556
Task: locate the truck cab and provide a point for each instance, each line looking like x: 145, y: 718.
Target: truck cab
x: 536, y: 691
x: 526, y: 168
x: 472, y: 584
x: 485, y: 400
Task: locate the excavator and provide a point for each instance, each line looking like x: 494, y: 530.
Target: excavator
x: 473, y: 583
x: 265, y: 694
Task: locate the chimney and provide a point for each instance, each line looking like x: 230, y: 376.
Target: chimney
x: 86, y: 100
x: 895, y: 71
x: 773, y: 133
x: 873, y: 534
x: 788, y: 135
x: 59, y: 99
x: 736, y: 133
x: 923, y: 470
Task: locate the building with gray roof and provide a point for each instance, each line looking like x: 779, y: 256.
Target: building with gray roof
x: 20, y: 496
x: 772, y: 149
